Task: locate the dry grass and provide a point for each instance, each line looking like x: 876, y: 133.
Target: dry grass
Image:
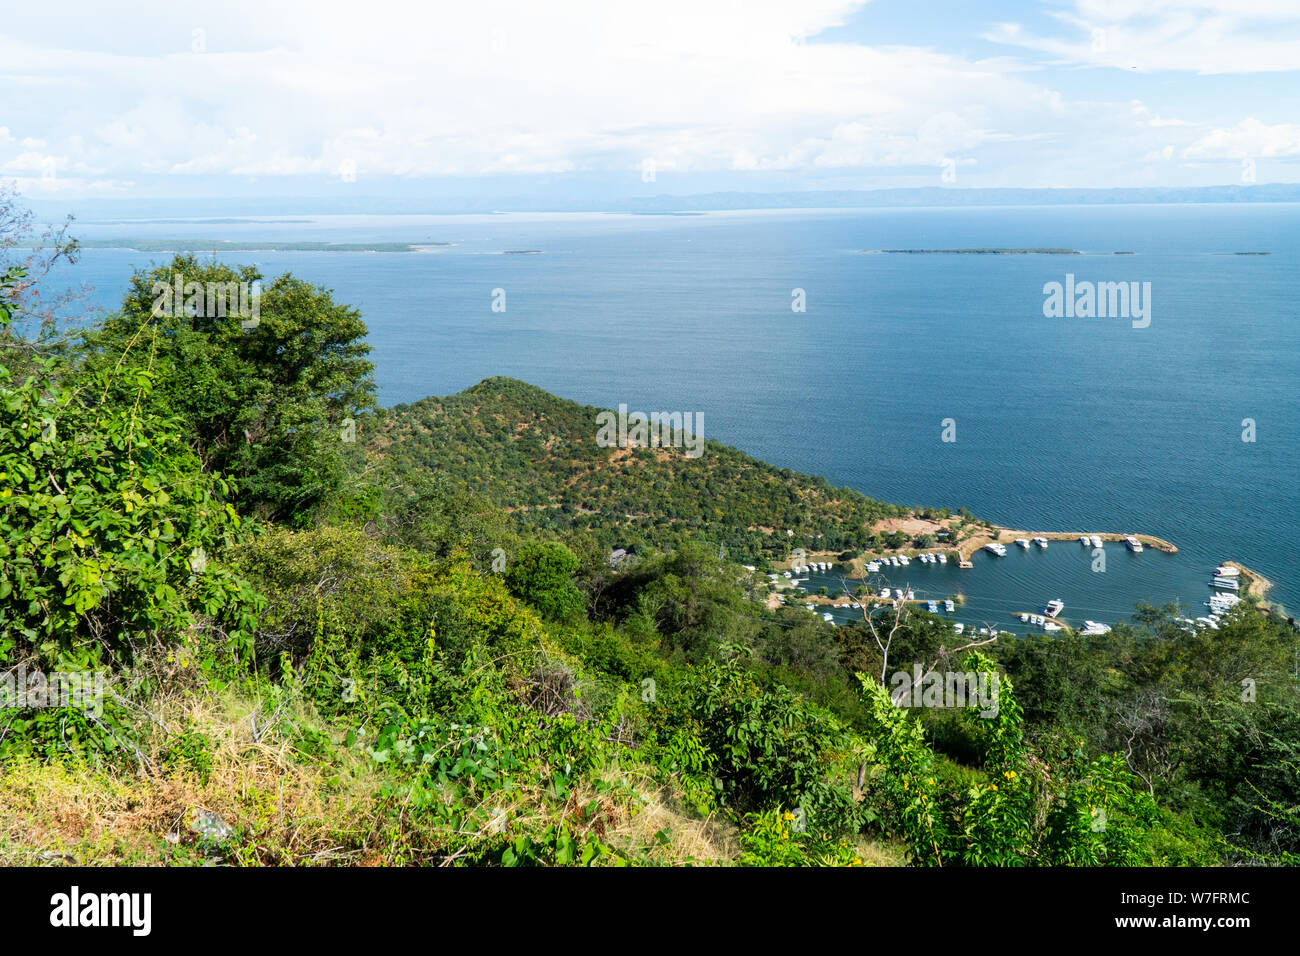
x: 285, y: 809
x: 290, y: 810
x: 672, y: 835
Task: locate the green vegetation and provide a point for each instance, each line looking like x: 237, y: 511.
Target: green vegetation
x: 413, y: 649
x: 535, y: 455
x: 264, y: 405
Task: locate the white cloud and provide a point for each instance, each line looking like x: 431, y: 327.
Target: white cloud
x: 1199, y: 36
x: 507, y: 86
x: 1249, y: 139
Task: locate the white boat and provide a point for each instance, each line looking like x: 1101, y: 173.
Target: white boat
x: 1023, y: 542
x: 1096, y: 540
x: 943, y: 559
x: 910, y: 594
x: 1232, y: 584
x: 1095, y: 627
x: 873, y: 567
x: 904, y: 560
x: 1084, y: 540
x: 1024, y: 618
x: 787, y: 574
x: 959, y: 627
x: 1226, y: 571
x: 884, y: 592
x: 893, y: 561
x: 1207, y: 622
x: 827, y: 617
x: 994, y: 548
x: 1041, y: 542
x: 949, y: 606
x: 1134, y: 544
x: 932, y: 607
x: 1049, y: 626
x: 1054, y: 607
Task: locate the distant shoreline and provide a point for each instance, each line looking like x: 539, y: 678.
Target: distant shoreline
x: 170, y: 246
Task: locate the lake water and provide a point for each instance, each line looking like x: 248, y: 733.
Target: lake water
x: 1065, y: 424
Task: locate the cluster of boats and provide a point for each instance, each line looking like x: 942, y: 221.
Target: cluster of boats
x: 1025, y: 542
x: 902, y: 561
x: 1223, y: 596
x: 822, y: 566
x: 1094, y: 541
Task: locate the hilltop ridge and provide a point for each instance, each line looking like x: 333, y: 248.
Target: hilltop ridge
x: 535, y: 455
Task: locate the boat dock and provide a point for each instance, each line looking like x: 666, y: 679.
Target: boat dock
x: 1008, y: 536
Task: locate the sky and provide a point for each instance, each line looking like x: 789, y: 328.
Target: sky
x: 613, y: 97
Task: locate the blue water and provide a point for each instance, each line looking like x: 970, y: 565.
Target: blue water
x: 1061, y: 424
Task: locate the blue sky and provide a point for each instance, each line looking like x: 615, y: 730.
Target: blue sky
x: 594, y: 97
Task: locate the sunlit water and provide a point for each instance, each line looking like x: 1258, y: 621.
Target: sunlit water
x: 1061, y: 424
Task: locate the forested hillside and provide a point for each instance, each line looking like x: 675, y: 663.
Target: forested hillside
x: 536, y: 456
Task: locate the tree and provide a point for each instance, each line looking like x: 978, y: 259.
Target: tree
x: 264, y: 383
x: 111, y: 536
x: 26, y: 259
x: 542, y: 574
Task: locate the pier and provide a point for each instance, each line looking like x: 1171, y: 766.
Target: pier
x: 1008, y: 536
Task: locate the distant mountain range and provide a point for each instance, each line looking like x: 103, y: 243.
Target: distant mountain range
x: 92, y: 210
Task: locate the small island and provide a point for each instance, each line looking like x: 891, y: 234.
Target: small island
x: 1049, y: 251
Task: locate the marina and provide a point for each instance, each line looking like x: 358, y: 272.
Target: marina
x: 1098, y: 600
